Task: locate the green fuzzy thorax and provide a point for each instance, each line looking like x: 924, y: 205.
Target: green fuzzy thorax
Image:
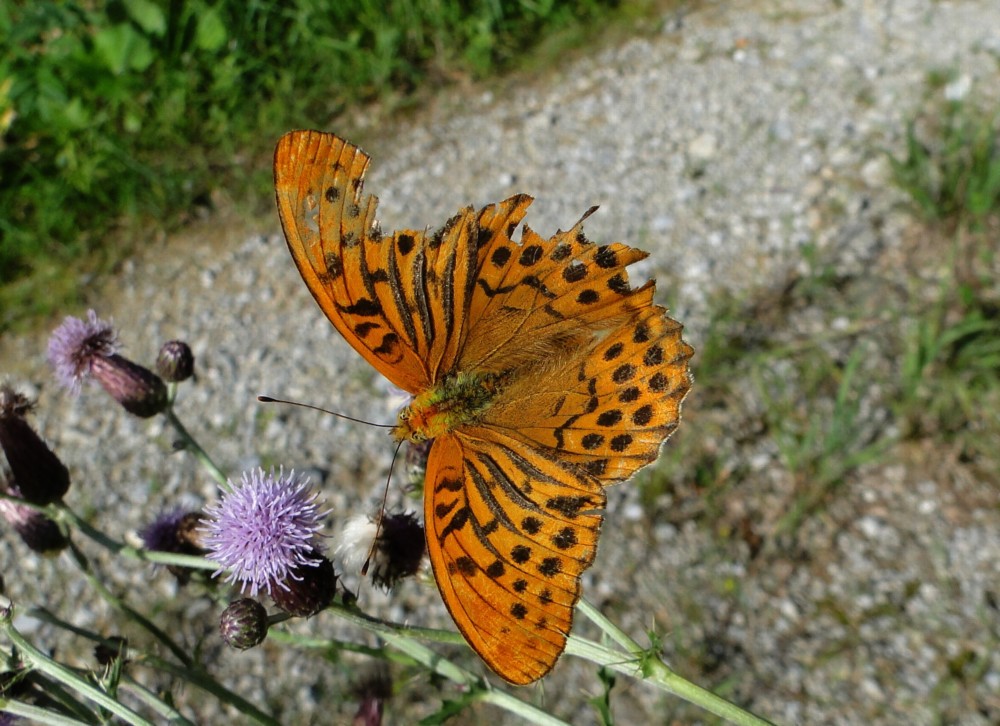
x: 457, y: 399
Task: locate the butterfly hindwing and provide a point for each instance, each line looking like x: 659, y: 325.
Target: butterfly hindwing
x: 610, y: 410
x: 509, y: 533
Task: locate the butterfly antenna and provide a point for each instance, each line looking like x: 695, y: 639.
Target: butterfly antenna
x: 381, y: 514
x: 268, y: 399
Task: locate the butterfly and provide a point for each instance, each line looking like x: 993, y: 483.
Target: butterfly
x: 538, y: 372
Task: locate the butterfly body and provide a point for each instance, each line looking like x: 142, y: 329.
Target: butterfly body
x: 459, y: 399
x: 539, y: 374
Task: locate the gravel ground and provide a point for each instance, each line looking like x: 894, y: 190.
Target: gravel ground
x: 723, y: 144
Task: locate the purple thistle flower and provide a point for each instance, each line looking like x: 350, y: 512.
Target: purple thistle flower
x: 75, y: 345
x: 79, y: 350
x: 264, y: 529
x: 160, y: 535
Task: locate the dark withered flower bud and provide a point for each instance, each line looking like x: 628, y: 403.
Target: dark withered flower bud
x: 36, y: 471
x: 399, y: 549
x: 140, y: 391
x: 308, y: 588
x: 243, y: 624
x: 175, y: 363
x: 372, y: 690
x: 191, y: 533
x: 79, y: 350
x: 398, y: 546
x: 112, y: 649
x: 40, y: 533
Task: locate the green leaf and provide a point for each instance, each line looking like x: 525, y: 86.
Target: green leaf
x: 122, y: 48
x: 141, y: 54
x: 211, y: 33
x: 132, y: 123
x: 148, y: 15
x: 77, y: 116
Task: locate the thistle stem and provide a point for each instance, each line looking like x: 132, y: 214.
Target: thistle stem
x: 61, y: 674
x: 640, y: 663
x: 190, y: 444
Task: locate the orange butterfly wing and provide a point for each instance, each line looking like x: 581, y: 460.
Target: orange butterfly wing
x: 515, y: 502
x: 593, y: 375
x: 509, y: 535
x: 381, y: 293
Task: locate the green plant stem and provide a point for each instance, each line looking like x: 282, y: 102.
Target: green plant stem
x: 402, y: 638
x: 190, y: 444
x: 167, y: 712
x: 37, y: 714
x: 61, y: 674
x: 650, y: 668
x: 432, y: 660
x: 118, y: 604
x: 136, y: 553
x: 191, y: 673
x: 635, y: 661
x: 197, y: 677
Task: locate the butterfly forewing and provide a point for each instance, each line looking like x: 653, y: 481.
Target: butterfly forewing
x: 540, y: 298
x: 329, y: 225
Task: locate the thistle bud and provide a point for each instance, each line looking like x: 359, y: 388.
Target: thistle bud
x: 243, y: 624
x: 40, y: 533
x: 112, y: 649
x: 140, y: 391
x: 308, y: 588
x: 175, y: 362
x: 37, y: 472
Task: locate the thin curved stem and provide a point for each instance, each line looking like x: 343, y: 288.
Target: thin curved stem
x: 121, y: 606
x: 190, y: 444
x: 639, y: 662
x: 61, y: 674
x: 404, y: 640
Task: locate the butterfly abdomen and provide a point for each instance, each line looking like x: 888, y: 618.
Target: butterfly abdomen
x: 456, y: 400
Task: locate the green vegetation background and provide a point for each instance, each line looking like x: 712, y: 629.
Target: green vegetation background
x: 118, y: 119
